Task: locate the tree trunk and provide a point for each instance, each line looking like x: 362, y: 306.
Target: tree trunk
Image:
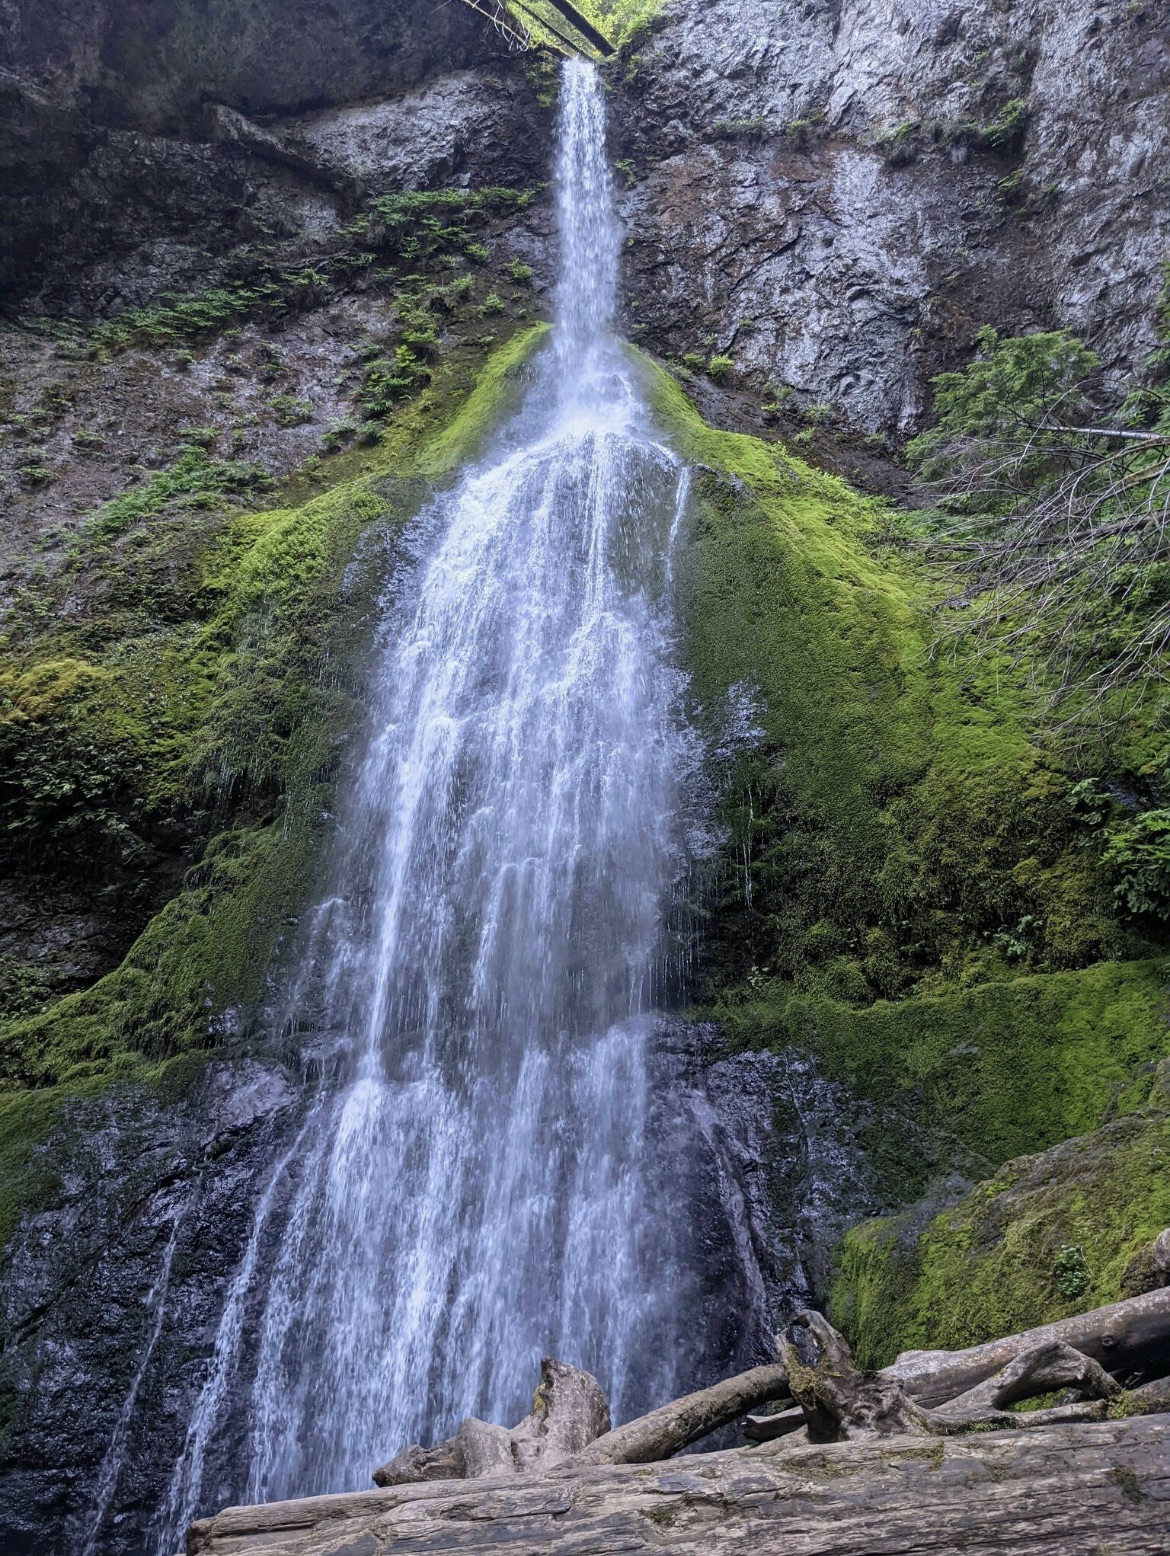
x: 665, y: 1432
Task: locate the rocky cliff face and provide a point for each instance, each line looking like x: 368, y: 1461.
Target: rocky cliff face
x: 837, y: 195
x: 124, y: 176
x: 834, y: 195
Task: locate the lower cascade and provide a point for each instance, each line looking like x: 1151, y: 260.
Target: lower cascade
x: 495, y: 1170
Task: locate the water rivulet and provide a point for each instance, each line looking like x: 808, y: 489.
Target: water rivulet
x: 499, y: 1169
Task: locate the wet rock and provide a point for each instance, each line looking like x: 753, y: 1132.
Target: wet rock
x: 153, y: 1205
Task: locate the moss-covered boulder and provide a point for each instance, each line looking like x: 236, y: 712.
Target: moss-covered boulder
x: 1048, y: 1236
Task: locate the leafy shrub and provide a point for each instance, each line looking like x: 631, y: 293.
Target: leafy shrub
x: 520, y: 273
x: 1070, y: 1272
x: 68, y: 758
x: 721, y: 369
x: 387, y: 382
x: 1139, y: 855
x: 194, y: 480
x: 291, y: 412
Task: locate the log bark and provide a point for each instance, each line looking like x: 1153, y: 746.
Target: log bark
x: 667, y: 1431
x: 841, y: 1404
x: 766, y: 1429
x: 1125, y: 1337
x: 1149, y: 1400
x: 1039, y: 1371
x: 569, y: 1411
x: 1063, y: 1491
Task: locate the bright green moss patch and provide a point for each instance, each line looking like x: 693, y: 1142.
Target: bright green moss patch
x: 222, y: 726
x: 899, y: 822
x: 997, y: 1070
x: 1048, y: 1236
x: 910, y: 892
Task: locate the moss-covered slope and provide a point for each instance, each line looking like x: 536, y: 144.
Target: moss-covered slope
x: 905, y: 891
x: 224, y: 724
x: 1048, y: 1236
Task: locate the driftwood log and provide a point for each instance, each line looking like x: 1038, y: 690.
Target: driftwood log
x: 569, y: 1411
x: 1060, y: 1491
x: 1131, y: 1337
x: 1115, y: 1358
x: 842, y: 1404
x: 666, y: 1431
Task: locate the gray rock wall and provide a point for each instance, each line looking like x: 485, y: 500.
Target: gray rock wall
x: 837, y: 193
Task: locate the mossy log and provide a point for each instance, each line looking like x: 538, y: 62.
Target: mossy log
x: 1125, y: 1337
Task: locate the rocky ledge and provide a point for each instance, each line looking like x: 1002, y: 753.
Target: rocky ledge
x: 1067, y: 1490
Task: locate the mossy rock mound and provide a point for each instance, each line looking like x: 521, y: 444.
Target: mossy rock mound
x: 1050, y: 1235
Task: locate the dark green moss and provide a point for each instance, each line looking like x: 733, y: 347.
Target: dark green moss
x: 999, y: 1261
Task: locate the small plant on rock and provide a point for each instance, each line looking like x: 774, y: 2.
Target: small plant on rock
x: 291, y: 412
x: 1071, y: 1272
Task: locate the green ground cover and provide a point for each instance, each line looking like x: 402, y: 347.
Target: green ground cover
x: 913, y: 891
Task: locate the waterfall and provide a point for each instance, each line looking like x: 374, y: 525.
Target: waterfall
x: 500, y: 1171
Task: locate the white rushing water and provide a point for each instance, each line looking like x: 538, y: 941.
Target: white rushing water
x: 499, y: 1174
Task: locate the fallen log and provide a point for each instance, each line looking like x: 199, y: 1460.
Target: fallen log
x: 1063, y: 1491
x: 1125, y: 1337
x: 666, y: 1431
x: 766, y: 1429
x: 1042, y: 1370
x: 924, y: 1393
x: 569, y: 1411
x: 841, y: 1404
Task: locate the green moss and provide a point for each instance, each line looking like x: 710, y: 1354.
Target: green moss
x: 1000, y: 1260
x: 910, y: 893
x: 902, y: 821
x: 997, y: 1070
x: 237, y: 713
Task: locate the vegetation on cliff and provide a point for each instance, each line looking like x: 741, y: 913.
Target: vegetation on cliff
x: 916, y: 887
x: 202, y: 704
